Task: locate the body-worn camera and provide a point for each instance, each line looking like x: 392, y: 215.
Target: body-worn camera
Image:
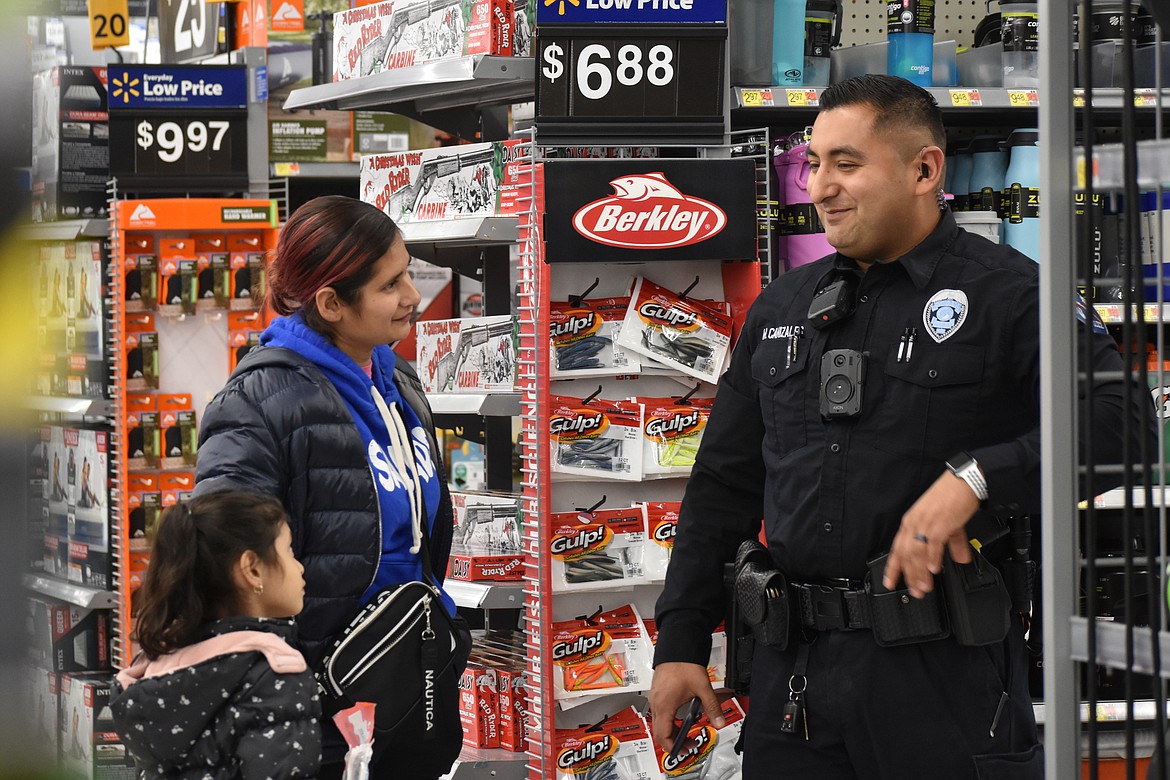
x: 842, y: 375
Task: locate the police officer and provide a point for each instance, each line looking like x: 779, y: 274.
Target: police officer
x: 932, y: 414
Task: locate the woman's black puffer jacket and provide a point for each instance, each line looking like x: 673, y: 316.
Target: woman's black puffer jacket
x: 280, y: 427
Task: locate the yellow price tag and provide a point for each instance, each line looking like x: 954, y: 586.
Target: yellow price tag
x: 1145, y: 97
x: 1078, y: 98
x: 751, y: 98
x: 960, y: 98
x: 286, y: 169
x: 797, y: 97
x: 1080, y: 173
x: 109, y: 23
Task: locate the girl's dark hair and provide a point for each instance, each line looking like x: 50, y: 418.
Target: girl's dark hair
x: 189, y: 579
x: 898, y: 104
x: 331, y: 241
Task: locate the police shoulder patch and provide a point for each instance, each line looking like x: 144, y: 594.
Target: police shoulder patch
x: 945, y: 313
x: 1088, y: 314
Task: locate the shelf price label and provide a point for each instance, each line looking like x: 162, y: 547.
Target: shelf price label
x: 802, y: 97
x: 755, y: 98
x: 633, y: 79
x: 965, y: 98
x: 1023, y: 98
x: 170, y: 140
x: 1145, y: 98
x: 108, y: 23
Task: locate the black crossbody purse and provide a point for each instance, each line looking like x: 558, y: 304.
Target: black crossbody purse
x: 404, y: 653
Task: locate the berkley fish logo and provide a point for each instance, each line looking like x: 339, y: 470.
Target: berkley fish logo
x: 573, y: 423
x: 579, y: 645
x: 569, y: 325
x: 664, y: 531
x: 578, y: 756
x: 661, y: 314
x: 674, y: 423
x: 574, y: 542
x: 702, y: 740
x: 648, y: 212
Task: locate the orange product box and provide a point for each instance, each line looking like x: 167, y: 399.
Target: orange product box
x: 473, y: 567
x: 207, y: 249
x: 176, y: 486
x: 246, y: 260
x: 140, y: 272
x: 244, y: 329
x: 479, y: 706
x: 513, y: 692
x: 141, y: 352
x: 176, y: 259
x: 142, y: 434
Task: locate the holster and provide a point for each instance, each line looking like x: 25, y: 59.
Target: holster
x: 978, y: 602
x: 899, y: 618
x: 762, y: 595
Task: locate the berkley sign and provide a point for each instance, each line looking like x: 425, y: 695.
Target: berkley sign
x: 646, y: 211
x: 649, y: 210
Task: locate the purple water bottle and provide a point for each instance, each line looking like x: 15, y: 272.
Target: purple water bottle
x: 806, y: 234
x: 780, y: 162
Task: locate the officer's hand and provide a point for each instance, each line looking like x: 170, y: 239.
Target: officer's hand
x: 936, y: 519
x: 674, y: 685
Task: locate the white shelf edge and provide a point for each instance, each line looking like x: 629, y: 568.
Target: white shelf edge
x: 64, y: 230
x: 1107, y: 711
x: 72, y: 593
x: 1153, y: 165
x: 475, y: 231
x: 511, y: 77
x: 1115, y: 499
x: 486, y: 404
x: 314, y: 170
x: 476, y: 763
x: 98, y: 407
x: 1111, y: 645
x: 485, y: 595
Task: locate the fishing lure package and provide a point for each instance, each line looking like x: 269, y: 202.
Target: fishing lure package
x: 671, y: 431
x: 598, y: 439
x: 618, y: 748
x: 609, y: 652
x: 709, y: 753
x: 661, y: 522
x: 686, y: 334
x: 716, y: 662
x: 583, y: 339
x: 597, y: 550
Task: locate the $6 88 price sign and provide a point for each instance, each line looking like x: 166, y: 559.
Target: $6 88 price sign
x: 644, y: 74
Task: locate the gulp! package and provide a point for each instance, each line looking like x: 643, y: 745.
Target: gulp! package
x: 661, y: 522
x: 596, y: 550
x: 671, y: 431
x: 709, y: 753
x: 596, y: 438
x: 609, y: 652
x: 716, y: 662
x: 683, y: 333
x: 618, y: 748
x: 583, y: 338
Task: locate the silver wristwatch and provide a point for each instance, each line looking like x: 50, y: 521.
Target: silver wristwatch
x: 966, y: 468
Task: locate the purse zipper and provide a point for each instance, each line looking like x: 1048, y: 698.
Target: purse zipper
x: 387, y: 642
x: 364, y: 664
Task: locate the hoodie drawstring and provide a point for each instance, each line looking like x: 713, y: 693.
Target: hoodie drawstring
x: 404, y: 454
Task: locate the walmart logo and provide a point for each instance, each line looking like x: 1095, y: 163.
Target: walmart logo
x: 126, y: 87
x: 561, y: 5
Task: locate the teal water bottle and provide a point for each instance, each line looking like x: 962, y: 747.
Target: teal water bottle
x: 961, y: 178
x: 989, y: 161
x: 910, y: 32
x: 788, y: 43
x: 1021, y: 228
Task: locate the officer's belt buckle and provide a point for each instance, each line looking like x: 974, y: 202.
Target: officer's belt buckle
x: 827, y: 608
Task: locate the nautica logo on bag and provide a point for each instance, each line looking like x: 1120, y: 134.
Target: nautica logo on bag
x: 429, y: 698
x: 648, y: 212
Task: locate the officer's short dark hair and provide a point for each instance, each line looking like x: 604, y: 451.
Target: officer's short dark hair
x: 897, y: 104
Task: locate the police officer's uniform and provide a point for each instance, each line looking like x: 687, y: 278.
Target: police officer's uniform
x: 951, y: 330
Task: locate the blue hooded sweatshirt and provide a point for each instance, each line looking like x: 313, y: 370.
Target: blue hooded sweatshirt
x: 396, y: 446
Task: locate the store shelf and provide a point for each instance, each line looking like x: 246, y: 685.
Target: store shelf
x: 79, y: 595
x: 459, y: 243
x: 1108, y: 711
x: 1111, y: 644
x: 1153, y: 166
x: 476, y: 763
x: 485, y: 595
x: 65, y: 230
x: 1113, y: 313
x: 94, y: 407
x: 468, y: 82
x: 314, y: 170
x: 485, y: 404
x: 1115, y: 499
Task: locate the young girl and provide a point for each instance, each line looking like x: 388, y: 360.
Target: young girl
x: 218, y: 691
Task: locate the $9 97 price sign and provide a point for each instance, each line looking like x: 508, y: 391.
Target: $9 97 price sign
x: 629, y: 81
x: 163, y: 149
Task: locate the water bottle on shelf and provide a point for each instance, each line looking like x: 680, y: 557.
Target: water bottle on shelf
x: 780, y: 162
x: 910, y: 32
x: 1021, y: 228
x: 821, y: 33
x: 1021, y: 45
x: 788, y: 43
x: 989, y: 162
x: 806, y: 234
x: 961, y: 178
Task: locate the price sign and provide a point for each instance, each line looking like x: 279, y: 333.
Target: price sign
x: 803, y: 98
x: 631, y: 83
x: 1020, y: 98
x: 965, y: 98
x: 192, y: 151
x: 108, y: 23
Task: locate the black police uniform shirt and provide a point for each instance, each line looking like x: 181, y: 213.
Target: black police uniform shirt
x: 832, y: 492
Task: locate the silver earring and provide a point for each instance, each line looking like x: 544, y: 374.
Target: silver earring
x: 942, y: 199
